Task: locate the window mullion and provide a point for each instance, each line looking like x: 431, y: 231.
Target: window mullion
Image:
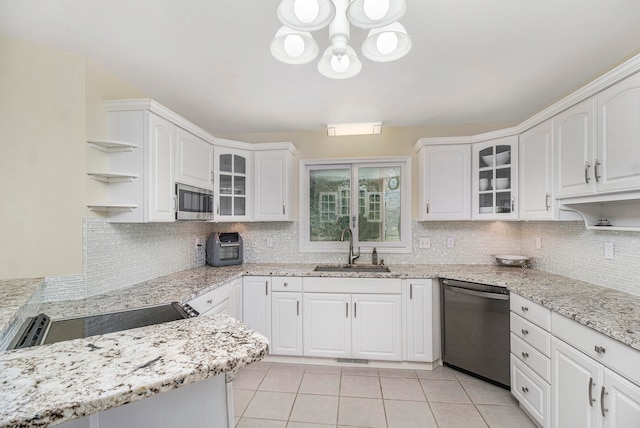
x: 355, y: 200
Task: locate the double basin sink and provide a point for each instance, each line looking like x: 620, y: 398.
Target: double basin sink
x: 352, y: 268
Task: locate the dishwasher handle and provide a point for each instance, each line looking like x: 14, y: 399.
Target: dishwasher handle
x: 494, y: 296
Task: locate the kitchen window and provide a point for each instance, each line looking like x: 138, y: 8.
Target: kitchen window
x: 380, y: 215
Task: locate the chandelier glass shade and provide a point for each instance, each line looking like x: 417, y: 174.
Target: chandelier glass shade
x: 387, y: 39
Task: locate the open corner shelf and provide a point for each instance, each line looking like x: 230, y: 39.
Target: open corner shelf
x: 109, y: 177
x: 111, y: 146
x: 112, y: 207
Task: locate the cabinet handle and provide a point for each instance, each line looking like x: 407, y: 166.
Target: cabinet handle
x: 525, y: 332
x: 513, y: 204
x: 298, y: 307
x: 591, y: 385
x: 525, y: 355
x: 587, y: 165
x: 410, y: 291
x: 524, y: 308
x: 600, y: 349
x: 355, y: 310
x: 547, y: 204
x: 218, y: 208
x: 353, y: 221
x: 427, y: 206
x: 284, y: 208
x: 525, y: 389
x: 595, y: 170
x: 266, y: 288
x: 347, y: 309
x: 602, y: 409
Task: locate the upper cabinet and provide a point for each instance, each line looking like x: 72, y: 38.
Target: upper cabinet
x: 444, y: 180
x: 276, y: 178
x: 494, y: 179
x: 194, y: 161
x: 535, y: 173
x: 233, y: 170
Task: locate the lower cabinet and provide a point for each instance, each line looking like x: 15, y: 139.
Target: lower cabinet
x: 421, y: 307
x: 361, y: 326
x: 256, y: 307
x: 286, y: 323
x: 235, y: 298
x: 212, y: 302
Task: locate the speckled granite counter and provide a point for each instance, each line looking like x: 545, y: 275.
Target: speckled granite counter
x: 608, y: 311
x: 15, y: 296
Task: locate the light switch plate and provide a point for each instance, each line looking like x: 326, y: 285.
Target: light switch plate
x: 608, y: 250
x: 269, y: 242
x: 538, y: 243
x: 451, y: 242
x: 425, y: 242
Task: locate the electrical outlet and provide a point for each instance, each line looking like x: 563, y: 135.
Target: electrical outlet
x: 538, y: 243
x: 451, y: 242
x: 269, y: 242
x: 199, y: 243
x: 608, y: 250
x: 425, y: 242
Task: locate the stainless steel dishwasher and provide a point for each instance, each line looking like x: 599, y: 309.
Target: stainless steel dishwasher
x: 475, y: 330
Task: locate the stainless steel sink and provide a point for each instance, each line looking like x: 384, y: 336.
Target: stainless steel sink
x: 351, y: 268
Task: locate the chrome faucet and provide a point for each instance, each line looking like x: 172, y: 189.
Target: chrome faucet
x: 352, y: 256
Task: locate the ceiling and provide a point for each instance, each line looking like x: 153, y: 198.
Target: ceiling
x: 490, y: 61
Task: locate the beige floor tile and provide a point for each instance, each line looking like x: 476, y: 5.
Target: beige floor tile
x: 320, y: 383
x: 486, y: 393
x: 463, y: 376
x: 258, y: 365
x: 361, y: 412
x: 401, y: 389
x: 270, y: 405
x: 322, y: 409
x: 360, y: 371
x: 401, y: 373
x: 288, y: 367
x: 241, y: 399
x: 260, y: 423
x: 248, y: 379
x: 360, y: 386
x: 440, y: 372
x: 444, y: 391
x: 308, y: 425
x: 281, y: 381
x: 505, y: 416
x: 409, y: 414
x: 323, y: 369
x: 450, y: 415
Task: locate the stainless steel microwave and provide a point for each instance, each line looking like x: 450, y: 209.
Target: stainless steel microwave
x: 193, y: 203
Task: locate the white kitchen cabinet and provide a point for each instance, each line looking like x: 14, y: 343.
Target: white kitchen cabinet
x: 573, y: 133
x: 194, y: 160
x: 215, y: 301
x: 286, y: 324
x: 617, y: 151
x: 327, y: 325
x: 494, y: 179
x: 275, y: 183
x: 256, y: 308
x: 422, y: 320
x: 233, y: 184
x: 535, y: 163
x: 162, y: 145
x: 376, y: 327
x: 235, y: 298
x: 444, y: 180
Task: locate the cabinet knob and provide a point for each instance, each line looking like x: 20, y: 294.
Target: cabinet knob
x: 210, y: 301
x: 525, y: 389
x: 525, y: 355
x: 600, y: 349
x: 524, y: 308
x: 286, y: 284
x: 525, y: 332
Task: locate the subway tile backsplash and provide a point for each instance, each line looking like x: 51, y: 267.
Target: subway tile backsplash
x: 120, y: 255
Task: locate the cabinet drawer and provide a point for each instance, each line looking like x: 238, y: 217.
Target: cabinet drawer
x: 531, y: 391
x: 537, y: 314
x: 607, y: 351
x: 531, y: 334
x: 531, y: 357
x: 210, y: 299
x: 286, y: 283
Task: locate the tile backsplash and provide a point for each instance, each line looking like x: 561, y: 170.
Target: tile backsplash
x: 120, y: 255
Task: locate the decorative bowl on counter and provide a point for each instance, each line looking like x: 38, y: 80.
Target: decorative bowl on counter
x: 511, y: 260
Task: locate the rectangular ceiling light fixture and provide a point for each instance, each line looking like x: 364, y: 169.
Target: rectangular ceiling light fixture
x: 339, y: 129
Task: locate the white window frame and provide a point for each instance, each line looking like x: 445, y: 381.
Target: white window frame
x: 308, y: 246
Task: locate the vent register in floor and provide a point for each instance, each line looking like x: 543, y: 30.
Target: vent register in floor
x: 276, y: 395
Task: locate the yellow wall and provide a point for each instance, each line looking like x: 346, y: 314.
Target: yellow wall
x: 47, y: 108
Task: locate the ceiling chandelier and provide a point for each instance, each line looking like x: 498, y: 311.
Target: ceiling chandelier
x: 387, y: 39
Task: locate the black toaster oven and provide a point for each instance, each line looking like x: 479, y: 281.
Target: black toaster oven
x: 224, y: 249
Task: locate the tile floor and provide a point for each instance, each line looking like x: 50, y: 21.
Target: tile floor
x: 277, y: 395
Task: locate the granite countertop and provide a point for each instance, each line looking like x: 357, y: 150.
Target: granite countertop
x: 107, y: 373
x: 15, y: 294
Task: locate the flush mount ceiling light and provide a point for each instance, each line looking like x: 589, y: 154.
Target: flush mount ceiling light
x: 340, y: 129
x: 387, y: 39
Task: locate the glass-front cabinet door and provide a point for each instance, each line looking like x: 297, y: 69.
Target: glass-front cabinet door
x: 495, y: 179
x: 232, y: 193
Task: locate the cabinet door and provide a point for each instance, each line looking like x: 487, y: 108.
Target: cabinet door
x: 273, y: 179
x: 573, y: 145
x: 256, y: 306
x: 620, y: 403
x: 233, y: 184
x: 286, y: 324
x: 377, y: 327
x: 235, y: 298
x: 494, y: 183
x: 194, y: 161
x: 534, y: 157
x: 444, y: 184
x: 422, y: 312
x: 161, y: 156
x: 575, y: 383
x: 618, y: 149
x: 327, y: 325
